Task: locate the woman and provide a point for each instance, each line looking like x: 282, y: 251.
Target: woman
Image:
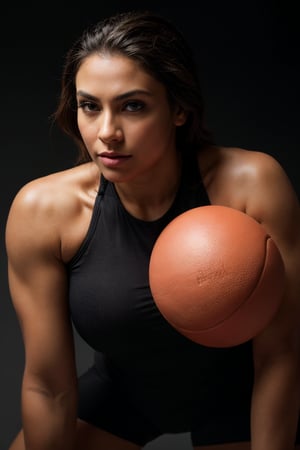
x: 131, y: 101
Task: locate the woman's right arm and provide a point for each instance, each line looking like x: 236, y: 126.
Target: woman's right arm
x: 38, y: 286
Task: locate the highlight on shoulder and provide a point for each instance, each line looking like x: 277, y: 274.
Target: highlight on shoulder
x: 52, y: 207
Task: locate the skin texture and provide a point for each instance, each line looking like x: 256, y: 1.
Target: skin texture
x: 124, y: 112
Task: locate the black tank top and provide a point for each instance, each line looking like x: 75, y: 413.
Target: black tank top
x: 114, y: 312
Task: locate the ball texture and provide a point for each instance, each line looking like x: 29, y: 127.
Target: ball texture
x: 216, y: 276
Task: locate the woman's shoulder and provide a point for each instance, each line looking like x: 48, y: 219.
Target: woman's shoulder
x: 235, y: 175
x: 251, y: 168
x: 235, y: 164
x: 59, y: 189
x: 44, y: 208
x: 233, y: 158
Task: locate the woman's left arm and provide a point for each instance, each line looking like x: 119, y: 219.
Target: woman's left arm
x: 276, y: 392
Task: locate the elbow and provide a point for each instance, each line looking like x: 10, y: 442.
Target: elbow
x: 56, y: 389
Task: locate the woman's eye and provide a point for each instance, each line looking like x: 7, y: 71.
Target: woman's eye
x: 134, y: 106
x: 88, y: 106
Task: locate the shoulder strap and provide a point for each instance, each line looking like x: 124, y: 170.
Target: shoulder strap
x: 103, y: 184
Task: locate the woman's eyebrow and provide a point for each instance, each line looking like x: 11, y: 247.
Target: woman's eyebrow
x: 123, y: 96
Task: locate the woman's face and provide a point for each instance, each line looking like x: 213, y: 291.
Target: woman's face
x: 124, y: 118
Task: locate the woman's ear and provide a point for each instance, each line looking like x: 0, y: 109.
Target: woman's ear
x: 180, y: 116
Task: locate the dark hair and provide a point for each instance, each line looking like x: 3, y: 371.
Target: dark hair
x: 160, y: 49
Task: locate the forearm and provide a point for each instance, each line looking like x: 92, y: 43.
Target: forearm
x: 49, y: 421
x: 275, y: 405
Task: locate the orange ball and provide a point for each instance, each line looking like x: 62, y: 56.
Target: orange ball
x: 216, y: 276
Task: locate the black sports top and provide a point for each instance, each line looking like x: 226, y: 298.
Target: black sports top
x: 114, y: 312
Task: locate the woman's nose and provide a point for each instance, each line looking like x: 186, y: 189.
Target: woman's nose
x: 109, y: 128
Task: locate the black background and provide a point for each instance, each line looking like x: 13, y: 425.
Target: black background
x: 248, y: 54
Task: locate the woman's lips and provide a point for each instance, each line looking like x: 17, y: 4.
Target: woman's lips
x: 113, y: 159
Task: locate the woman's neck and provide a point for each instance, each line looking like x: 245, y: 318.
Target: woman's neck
x: 150, y: 197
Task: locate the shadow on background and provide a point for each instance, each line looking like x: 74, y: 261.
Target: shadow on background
x: 249, y: 67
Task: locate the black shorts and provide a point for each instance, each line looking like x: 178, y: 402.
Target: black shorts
x: 104, y: 406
